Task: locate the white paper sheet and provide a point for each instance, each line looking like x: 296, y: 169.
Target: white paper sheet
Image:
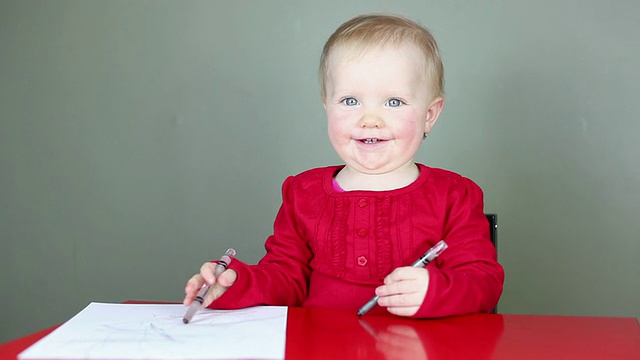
x: 141, y: 331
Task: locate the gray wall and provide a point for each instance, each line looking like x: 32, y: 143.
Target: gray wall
x: 140, y: 139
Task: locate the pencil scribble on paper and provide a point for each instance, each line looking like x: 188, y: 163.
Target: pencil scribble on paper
x: 119, y: 331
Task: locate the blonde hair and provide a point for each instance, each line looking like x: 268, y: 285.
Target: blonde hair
x: 364, y: 31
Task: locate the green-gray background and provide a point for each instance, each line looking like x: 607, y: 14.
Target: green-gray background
x: 139, y: 139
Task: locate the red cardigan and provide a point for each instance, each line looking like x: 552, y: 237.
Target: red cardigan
x: 332, y: 249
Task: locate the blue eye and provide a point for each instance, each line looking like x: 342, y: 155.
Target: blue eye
x: 394, y: 102
x: 350, y: 101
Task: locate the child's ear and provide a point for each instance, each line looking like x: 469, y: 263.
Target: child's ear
x: 433, y: 113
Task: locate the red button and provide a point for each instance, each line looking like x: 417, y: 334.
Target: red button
x: 363, y: 202
x: 362, y: 232
x: 362, y: 261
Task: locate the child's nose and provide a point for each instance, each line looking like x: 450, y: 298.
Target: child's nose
x: 370, y: 120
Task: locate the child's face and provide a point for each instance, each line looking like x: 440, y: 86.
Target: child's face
x: 378, y: 106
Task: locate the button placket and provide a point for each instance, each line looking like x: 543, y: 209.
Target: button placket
x: 362, y: 233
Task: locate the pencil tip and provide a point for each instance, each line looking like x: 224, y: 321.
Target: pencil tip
x: 185, y: 320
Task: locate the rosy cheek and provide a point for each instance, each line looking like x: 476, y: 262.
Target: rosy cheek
x: 336, y: 131
x: 410, y: 126
x: 337, y: 122
x: 333, y: 126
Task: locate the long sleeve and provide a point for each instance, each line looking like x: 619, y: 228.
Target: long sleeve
x: 281, y: 276
x: 466, y: 278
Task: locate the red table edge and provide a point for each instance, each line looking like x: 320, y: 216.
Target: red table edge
x: 12, y: 348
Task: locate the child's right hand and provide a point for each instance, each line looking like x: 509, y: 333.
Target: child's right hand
x: 219, y: 285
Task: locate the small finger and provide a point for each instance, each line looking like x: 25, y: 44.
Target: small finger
x: 406, y: 273
x: 403, y: 310
x: 194, y: 284
x: 191, y: 288
x: 206, y: 271
x: 224, y: 281
x: 396, y: 288
x: 396, y: 301
x: 227, y: 278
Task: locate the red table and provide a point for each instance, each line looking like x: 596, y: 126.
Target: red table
x: 339, y: 334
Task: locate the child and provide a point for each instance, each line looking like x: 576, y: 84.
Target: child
x: 345, y: 233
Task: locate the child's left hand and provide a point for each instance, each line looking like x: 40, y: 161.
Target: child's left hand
x: 404, y: 290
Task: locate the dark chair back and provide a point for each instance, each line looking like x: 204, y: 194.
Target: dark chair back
x: 493, y: 228
x: 493, y: 234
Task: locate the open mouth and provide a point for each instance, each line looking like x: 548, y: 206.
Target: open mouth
x: 370, y: 141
